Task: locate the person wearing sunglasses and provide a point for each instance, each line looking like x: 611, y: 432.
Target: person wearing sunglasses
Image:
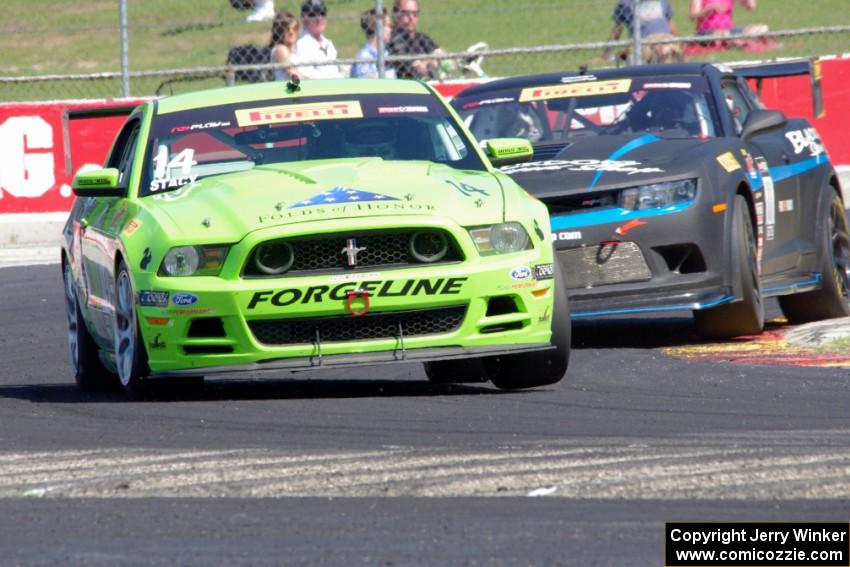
x: 407, y: 40
x: 313, y: 47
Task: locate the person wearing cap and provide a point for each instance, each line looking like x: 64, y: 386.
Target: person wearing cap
x: 372, y: 24
x: 407, y: 40
x: 313, y: 46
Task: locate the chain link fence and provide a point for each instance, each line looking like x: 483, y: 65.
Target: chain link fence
x: 56, y: 49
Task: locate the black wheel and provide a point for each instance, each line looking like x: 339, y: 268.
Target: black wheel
x: 831, y: 300
x: 130, y: 355
x: 517, y: 371
x: 745, y: 316
x: 89, y: 372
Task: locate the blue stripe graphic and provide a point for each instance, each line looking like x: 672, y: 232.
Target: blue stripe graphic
x: 575, y: 220
x: 782, y: 172
x: 626, y: 148
x: 630, y: 310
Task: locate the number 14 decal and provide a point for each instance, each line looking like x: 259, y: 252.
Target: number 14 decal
x: 467, y: 190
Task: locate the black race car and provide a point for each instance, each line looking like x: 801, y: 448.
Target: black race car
x: 671, y: 187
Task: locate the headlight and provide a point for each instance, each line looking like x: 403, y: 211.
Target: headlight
x: 500, y: 238
x: 193, y: 261
x: 658, y: 195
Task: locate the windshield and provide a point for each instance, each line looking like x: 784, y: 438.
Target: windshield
x: 188, y: 145
x: 669, y: 106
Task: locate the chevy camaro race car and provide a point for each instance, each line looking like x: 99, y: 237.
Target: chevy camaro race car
x: 293, y: 226
x: 671, y: 187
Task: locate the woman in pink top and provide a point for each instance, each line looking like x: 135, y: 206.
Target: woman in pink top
x: 714, y: 17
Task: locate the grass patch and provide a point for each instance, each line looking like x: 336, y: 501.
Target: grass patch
x: 61, y: 37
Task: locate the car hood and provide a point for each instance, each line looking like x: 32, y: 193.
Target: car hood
x: 281, y: 194
x: 601, y: 162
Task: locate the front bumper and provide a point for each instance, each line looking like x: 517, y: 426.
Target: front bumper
x: 644, y: 262
x: 215, y: 327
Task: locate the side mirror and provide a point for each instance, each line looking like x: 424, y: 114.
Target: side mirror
x: 508, y: 151
x: 760, y: 121
x: 97, y: 183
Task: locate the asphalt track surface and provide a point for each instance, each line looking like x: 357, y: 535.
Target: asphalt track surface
x: 375, y: 466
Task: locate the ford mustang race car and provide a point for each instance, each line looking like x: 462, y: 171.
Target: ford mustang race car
x: 308, y: 225
x: 671, y: 187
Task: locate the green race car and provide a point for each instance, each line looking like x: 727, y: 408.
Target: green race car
x: 297, y: 226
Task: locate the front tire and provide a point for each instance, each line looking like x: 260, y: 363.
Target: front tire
x: 130, y: 355
x: 89, y: 372
x: 746, y: 316
x: 519, y: 371
x: 831, y: 300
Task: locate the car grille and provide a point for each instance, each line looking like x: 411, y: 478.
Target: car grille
x: 605, y: 264
x: 324, y: 253
x: 348, y: 328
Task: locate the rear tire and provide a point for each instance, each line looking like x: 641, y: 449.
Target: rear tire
x: 746, y: 316
x: 89, y: 372
x: 831, y: 300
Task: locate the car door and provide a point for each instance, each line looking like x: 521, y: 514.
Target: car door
x: 98, y: 238
x: 768, y: 157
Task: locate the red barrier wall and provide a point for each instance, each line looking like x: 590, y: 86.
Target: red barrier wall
x: 34, y: 179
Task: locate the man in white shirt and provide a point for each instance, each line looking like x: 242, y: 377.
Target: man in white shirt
x: 313, y: 46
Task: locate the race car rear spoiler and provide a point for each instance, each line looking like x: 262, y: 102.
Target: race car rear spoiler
x: 810, y: 66
x: 85, y: 113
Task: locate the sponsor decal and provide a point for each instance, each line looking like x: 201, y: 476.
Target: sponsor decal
x: 785, y: 206
x: 751, y: 167
x: 184, y: 298
x: 728, y: 162
x: 568, y: 235
x: 544, y: 271
x: 132, y: 226
x: 545, y: 316
x: 401, y: 109
x: 194, y: 127
x: 193, y: 311
x: 575, y: 89
x: 624, y: 229
x: 521, y: 273
x: 805, y: 140
x: 467, y: 189
x: 340, y: 292
x: 578, y: 78
x: 628, y: 167
x: 769, y: 199
x: 341, y: 195
x: 667, y: 85
x: 152, y: 298
x: 146, y: 259
x: 537, y: 230
x: 346, y: 209
x: 487, y: 101
x: 353, y: 277
x: 157, y: 343
x: 299, y: 112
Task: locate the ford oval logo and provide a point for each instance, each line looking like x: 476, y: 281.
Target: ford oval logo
x: 521, y: 273
x: 184, y: 299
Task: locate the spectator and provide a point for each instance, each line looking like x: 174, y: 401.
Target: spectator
x: 714, y: 17
x: 313, y: 46
x: 407, y: 40
x: 370, y: 22
x: 285, y: 30
x: 655, y: 18
x: 261, y: 10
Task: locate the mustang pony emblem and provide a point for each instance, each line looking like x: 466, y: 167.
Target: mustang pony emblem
x: 351, y: 250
